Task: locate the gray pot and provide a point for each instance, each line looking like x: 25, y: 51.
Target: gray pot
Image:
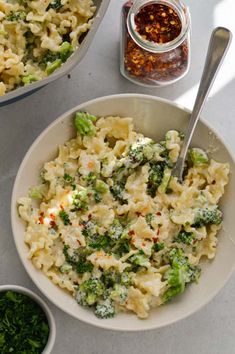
x: 21, y: 92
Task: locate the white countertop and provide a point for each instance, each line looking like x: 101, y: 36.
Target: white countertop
x: 211, y: 330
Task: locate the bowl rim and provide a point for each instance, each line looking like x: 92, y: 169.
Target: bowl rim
x: 50, y: 318
x: 21, y: 167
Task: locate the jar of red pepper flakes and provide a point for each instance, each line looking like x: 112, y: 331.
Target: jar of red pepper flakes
x: 155, y: 45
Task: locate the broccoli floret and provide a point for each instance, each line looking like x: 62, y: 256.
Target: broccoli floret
x: 116, y: 230
x: 93, y: 239
x: 155, y: 177
x: 100, y: 186
x: 69, y: 259
x: 121, y: 246
x: 53, y: 60
x: 165, y: 180
x: 51, y: 67
x: 207, y: 217
x: 139, y: 259
x: 16, y: 16
x: 110, y: 277
x: 179, y: 275
x: 84, y: 123
x: 117, y: 191
x: 66, y: 268
x: 78, y: 260
x: 89, y: 292
x: 105, y: 309
x: 80, y: 200
x: 126, y: 279
x: 198, y: 156
x: 100, y: 242
x: 66, y: 50
x: 119, y: 293
x: 29, y: 79
x: 83, y: 266
x: 185, y: 237
x: 49, y: 57
x: 55, y: 5
x: 120, y: 238
x: 158, y: 246
x: 89, y: 229
x: 176, y: 279
x: 177, y: 257
x: 140, y: 152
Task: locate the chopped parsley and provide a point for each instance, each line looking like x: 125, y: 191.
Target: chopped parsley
x: 23, y: 326
x: 64, y: 217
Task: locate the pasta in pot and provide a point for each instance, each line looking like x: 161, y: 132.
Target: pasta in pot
x: 113, y: 226
x: 37, y: 37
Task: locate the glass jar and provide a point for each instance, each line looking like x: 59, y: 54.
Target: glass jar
x: 155, y: 43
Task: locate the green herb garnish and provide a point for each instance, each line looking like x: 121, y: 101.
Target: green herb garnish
x: 65, y: 217
x: 23, y: 324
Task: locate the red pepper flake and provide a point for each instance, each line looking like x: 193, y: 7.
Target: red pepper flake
x: 52, y: 223
x: 52, y: 216
x: 41, y: 220
x: 41, y: 213
x: 131, y: 232
x: 89, y: 216
x: 158, y: 213
x: 155, y: 239
x: 158, y: 23
x: 78, y: 242
x: 61, y: 206
x: 213, y: 182
x: 158, y: 231
x: 143, y: 244
x: 138, y: 213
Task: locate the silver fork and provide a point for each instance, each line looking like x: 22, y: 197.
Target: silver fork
x: 219, y: 43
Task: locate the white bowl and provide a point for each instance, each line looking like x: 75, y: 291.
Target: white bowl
x: 153, y: 117
x: 45, y: 308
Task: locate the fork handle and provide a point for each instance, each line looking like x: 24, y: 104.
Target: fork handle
x: 219, y: 43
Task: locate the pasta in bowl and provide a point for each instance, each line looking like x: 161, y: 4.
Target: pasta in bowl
x: 113, y: 228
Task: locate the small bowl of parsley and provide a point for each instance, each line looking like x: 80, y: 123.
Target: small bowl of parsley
x: 26, y: 323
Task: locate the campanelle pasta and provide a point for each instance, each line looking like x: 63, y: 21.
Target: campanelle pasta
x: 113, y: 227
x: 37, y: 37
